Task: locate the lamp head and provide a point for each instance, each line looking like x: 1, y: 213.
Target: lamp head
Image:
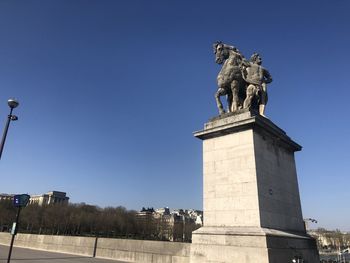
x: 13, y: 103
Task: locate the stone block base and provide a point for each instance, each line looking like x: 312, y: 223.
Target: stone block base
x: 251, y: 245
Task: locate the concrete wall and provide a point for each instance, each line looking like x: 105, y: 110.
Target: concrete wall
x: 118, y: 249
x: 143, y: 251
x: 73, y: 245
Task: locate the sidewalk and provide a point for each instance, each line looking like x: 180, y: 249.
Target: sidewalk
x: 24, y: 255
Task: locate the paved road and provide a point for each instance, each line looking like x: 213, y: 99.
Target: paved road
x: 23, y: 255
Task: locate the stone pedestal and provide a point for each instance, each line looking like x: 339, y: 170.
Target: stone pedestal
x: 252, y: 210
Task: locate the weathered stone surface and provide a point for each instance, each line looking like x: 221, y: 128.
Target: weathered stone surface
x: 252, y: 210
x: 243, y: 82
x: 249, y: 244
x: 65, y: 244
x: 117, y: 249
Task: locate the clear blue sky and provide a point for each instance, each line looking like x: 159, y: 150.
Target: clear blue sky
x: 111, y: 92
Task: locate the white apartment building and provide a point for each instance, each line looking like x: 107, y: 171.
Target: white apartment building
x: 53, y: 197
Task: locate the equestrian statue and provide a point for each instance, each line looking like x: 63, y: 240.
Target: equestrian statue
x: 243, y: 82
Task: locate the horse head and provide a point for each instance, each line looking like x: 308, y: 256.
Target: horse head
x: 221, y: 52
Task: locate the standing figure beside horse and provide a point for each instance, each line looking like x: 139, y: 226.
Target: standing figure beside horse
x: 257, y: 78
x: 242, y: 81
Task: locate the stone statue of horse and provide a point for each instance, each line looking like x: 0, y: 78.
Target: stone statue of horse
x: 230, y: 80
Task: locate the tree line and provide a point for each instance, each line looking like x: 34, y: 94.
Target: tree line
x: 89, y: 220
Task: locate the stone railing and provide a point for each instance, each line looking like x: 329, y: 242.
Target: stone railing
x: 118, y: 249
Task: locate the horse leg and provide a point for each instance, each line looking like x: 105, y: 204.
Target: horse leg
x: 218, y: 93
x: 235, y: 98
x: 242, y: 92
x: 250, y: 94
x: 229, y: 101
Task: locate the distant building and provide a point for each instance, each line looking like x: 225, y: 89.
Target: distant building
x: 175, y: 225
x: 49, y: 198
x: 146, y: 211
x: 145, y: 214
x: 6, y: 197
x: 163, y: 211
x: 196, y: 215
x: 328, y: 240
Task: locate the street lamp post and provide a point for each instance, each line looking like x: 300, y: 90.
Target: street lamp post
x: 18, y: 201
x: 13, y: 103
